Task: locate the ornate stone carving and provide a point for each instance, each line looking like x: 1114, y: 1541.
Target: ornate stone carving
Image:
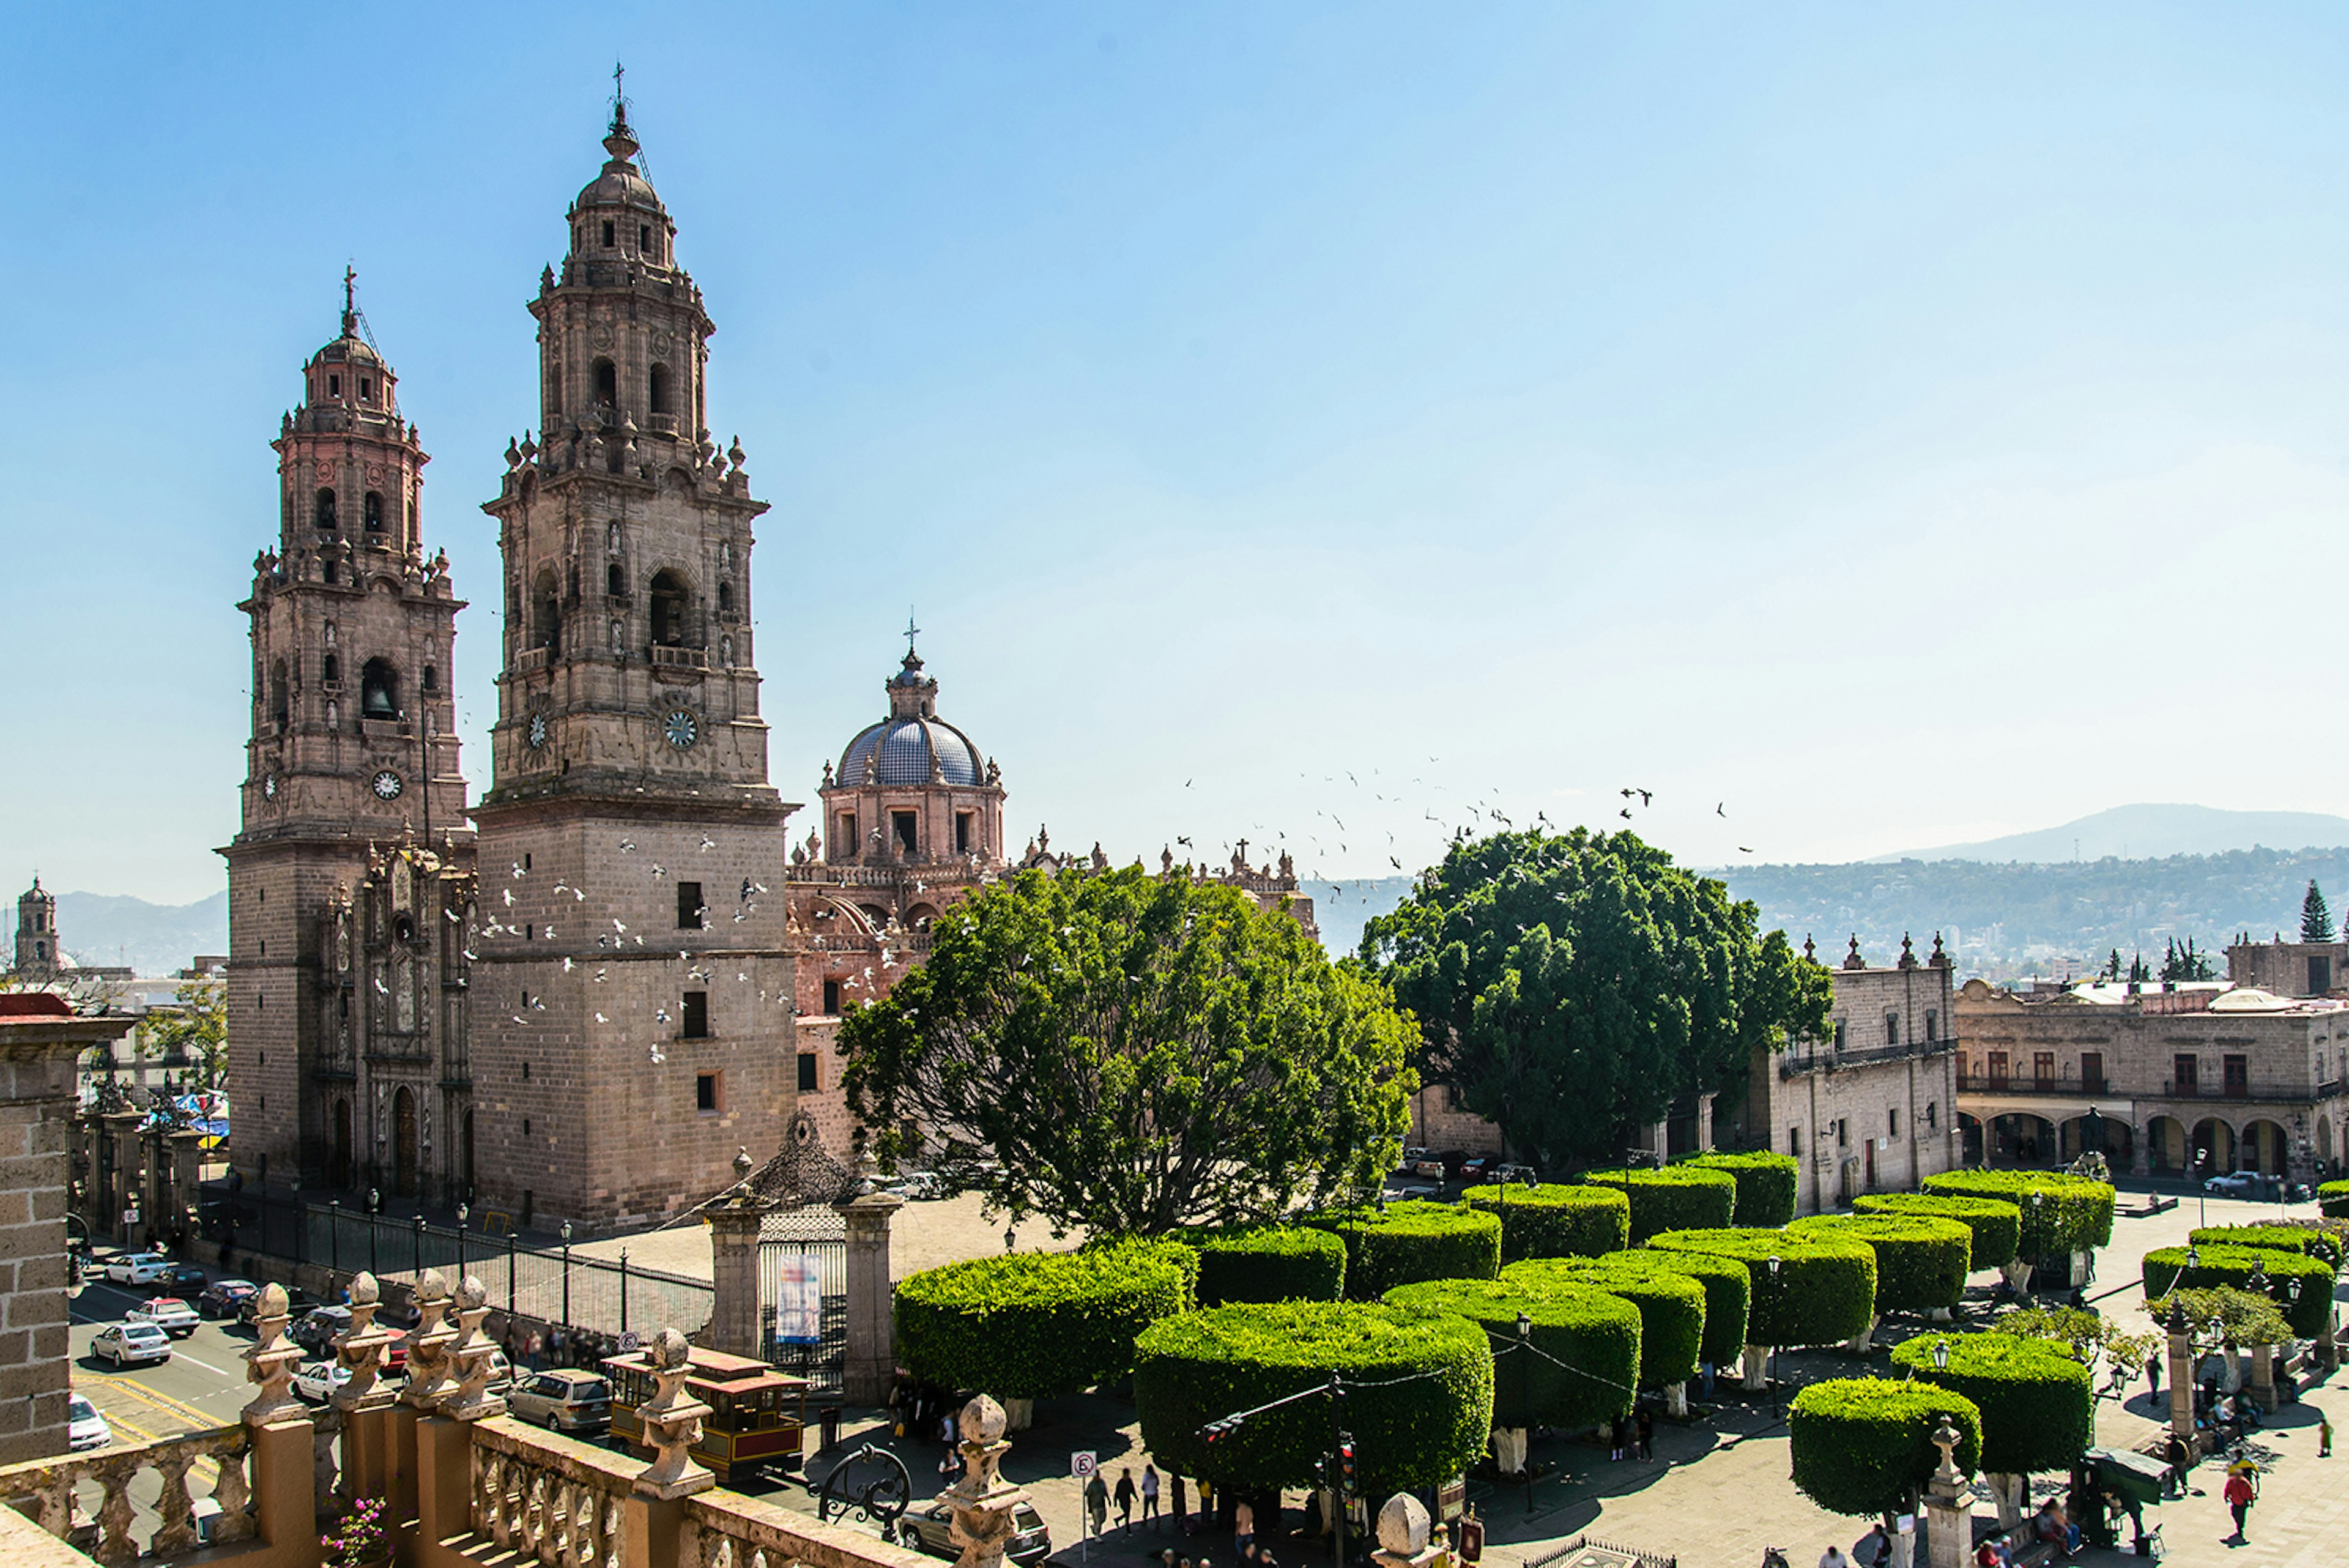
x: 428, y: 1346
x: 983, y: 1501
x: 360, y: 1349
x: 672, y: 1419
x: 471, y: 1399
x: 271, y: 1362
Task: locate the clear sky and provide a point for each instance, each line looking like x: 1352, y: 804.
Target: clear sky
x: 1887, y: 425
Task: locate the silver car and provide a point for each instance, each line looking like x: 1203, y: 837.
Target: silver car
x: 563, y: 1400
x: 131, y: 1344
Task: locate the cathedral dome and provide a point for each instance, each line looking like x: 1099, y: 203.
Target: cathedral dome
x: 350, y: 348
x: 620, y: 183
x: 913, y: 745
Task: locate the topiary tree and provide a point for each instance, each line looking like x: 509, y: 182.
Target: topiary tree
x: 1865, y: 1445
x: 2301, y: 1238
x: 1765, y: 1184
x: 1920, y: 1259
x: 1677, y: 1197
x: 1671, y: 1308
x: 1996, y: 1222
x: 2333, y: 1199
x: 1418, y: 1387
x: 1554, y: 1221
x: 2036, y: 1402
x: 2061, y: 1214
x: 1728, y: 1292
x: 1410, y: 1241
x: 1029, y: 1325
x: 1587, y: 1343
x: 2309, y: 1315
x: 1823, y: 1291
x: 1268, y: 1263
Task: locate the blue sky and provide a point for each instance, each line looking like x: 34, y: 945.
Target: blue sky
x: 1891, y: 425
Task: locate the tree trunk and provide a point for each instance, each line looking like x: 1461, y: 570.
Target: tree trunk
x: 1757, y: 1361
x: 1676, y: 1399
x: 1859, y: 1343
x: 2010, y: 1490
x: 2018, y: 1276
x: 1019, y: 1414
x: 1509, y: 1444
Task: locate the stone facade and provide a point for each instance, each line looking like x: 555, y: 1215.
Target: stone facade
x: 1872, y: 1108
x: 2290, y: 969
x: 37, y: 953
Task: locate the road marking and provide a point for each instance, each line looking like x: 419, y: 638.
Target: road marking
x: 216, y: 1371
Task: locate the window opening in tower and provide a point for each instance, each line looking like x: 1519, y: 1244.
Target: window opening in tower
x: 371, y: 511
x: 378, y: 690
x: 324, y: 514
x: 656, y: 389
x: 668, y: 610
x: 607, y: 384
x: 908, y: 831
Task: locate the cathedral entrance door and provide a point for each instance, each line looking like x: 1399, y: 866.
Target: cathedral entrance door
x: 403, y: 1144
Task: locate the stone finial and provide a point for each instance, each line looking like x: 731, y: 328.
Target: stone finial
x: 983, y: 1502
x: 1404, y: 1531
x: 271, y: 1362
x: 1946, y: 1437
x: 471, y: 1399
x: 1852, y: 959
x: 672, y: 1419
x: 1810, y: 948
x: 1940, y: 960
x: 360, y: 1349
x: 428, y: 1379
x: 1908, y: 952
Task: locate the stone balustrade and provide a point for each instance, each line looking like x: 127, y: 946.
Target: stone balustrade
x: 45, y: 1490
x: 726, y: 1529
x: 546, y: 1500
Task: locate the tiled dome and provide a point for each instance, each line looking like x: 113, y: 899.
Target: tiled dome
x: 905, y: 747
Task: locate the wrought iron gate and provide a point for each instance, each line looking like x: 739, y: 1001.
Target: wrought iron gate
x: 803, y: 1295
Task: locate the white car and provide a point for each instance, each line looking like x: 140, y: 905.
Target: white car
x: 126, y: 1344
x: 85, y: 1427
x: 317, y: 1381
x: 138, y: 1269
x: 170, y: 1313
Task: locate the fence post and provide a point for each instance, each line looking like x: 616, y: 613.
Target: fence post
x: 513, y: 1241
x: 375, y: 1223
x: 623, y: 1290
x: 419, y: 1249
x: 334, y: 1241
x: 566, y: 1274
x: 734, y: 1293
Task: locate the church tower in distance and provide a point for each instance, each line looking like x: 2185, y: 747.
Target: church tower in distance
x: 631, y: 989
x: 353, y: 741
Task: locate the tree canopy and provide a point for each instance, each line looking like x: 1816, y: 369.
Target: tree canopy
x: 196, y: 1025
x: 1134, y: 1053
x: 2316, y: 919
x: 1571, y: 985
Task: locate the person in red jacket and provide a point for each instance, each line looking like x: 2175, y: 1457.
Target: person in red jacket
x: 2240, y: 1494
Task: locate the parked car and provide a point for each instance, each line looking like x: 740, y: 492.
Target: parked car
x: 316, y: 1329
x: 131, y: 1344
x: 1409, y: 1163
x: 395, y: 1355
x: 1455, y: 1161
x: 565, y: 1400
x: 298, y: 1304
x: 170, y: 1313
x: 85, y: 1427
x: 2234, y: 1184
x: 1472, y: 1168
x: 317, y: 1380
x: 184, y: 1279
x: 1430, y: 1165
x: 930, y: 1530
x: 222, y: 1297
x: 138, y: 1269
x: 1521, y: 1175
x: 920, y: 1185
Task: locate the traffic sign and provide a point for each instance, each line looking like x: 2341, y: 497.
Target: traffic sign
x: 1084, y: 1462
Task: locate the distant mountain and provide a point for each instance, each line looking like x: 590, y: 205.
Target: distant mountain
x: 2149, y: 833
x: 103, y: 930
x: 1342, y: 908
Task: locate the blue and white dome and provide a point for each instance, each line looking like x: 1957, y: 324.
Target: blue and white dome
x: 913, y: 745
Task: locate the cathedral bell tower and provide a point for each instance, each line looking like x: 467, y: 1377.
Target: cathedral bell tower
x: 353, y: 738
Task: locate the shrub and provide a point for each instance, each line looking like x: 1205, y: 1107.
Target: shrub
x: 1996, y: 1224
x: 2333, y: 1199
x: 1728, y: 1292
x: 1411, y: 1431
x: 1553, y: 1222
x: 1677, y: 1197
x: 1921, y: 1261
x: 2302, y: 1239
x: 2035, y: 1401
x: 1824, y: 1292
x: 1412, y: 1241
x: 1268, y: 1263
x: 2074, y: 1214
x: 2166, y: 1270
x: 1765, y: 1184
x: 1035, y: 1324
x: 1865, y: 1445
x: 1670, y: 1307
x: 1597, y: 1334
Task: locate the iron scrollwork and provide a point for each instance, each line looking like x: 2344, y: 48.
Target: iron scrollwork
x: 871, y: 1484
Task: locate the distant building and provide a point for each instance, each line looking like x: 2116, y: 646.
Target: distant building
x: 2290, y: 969
x: 41, y: 957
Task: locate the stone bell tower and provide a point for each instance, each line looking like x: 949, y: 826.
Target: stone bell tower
x: 353, y: 740
x: 633, y: 996
x: 38, y: 956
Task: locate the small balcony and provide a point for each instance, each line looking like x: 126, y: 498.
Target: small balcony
x: 667, y: 657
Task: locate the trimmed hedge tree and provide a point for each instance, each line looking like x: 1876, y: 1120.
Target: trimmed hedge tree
x: 1865, y: 1446
x: 2333, y: 1199
x: 1921, y: 1261
x: 1765, y: 1184
x: 1554, y: 1221
x: 2318, y: 1244
x: 1728, y: 1292
x: 1671, y: 1308
x: 1419, y: 1400
x: 1030, y: 1324
x: 1596, y: 1333
x: 1996, y: 1224
x: 2166, y: 1270
x: 1677, y: 1197
x: 1824, y: 1292
x: 2073, y: 1214
x: 1412, y: 1241
x: 2035, y: 1401
x: 1268, y: 1263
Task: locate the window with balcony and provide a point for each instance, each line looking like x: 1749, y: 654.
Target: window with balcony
x: 1998, y: 1069
x: 2092, y: 1072
x: 2239, y: 1076
x: 2043, y: 1070
x: 2186, y: 1074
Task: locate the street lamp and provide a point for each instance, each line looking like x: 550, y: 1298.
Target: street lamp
x: 419, y: 1249
x: 1940, y: 1356
x: 1772, y: 1370
x: 375, y: 1217
x: 566, y: 1274
x: 2193, y: 1257
x: 334, y: 1241
x: 1525, y: 1393
x: 464, y: 1212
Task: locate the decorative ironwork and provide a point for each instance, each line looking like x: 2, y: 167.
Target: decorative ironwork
x: 871, y: 1484
x: 802, y: 1171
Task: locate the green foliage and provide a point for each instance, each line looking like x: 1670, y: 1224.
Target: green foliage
x: 2036, y: 1402
x: 2182, y: 962
x: 1203, y: 1366
x: 2071, y: 1213
x: 1823, y: 1292
x: 1864, y: 1446
x: 2333, y: 1199
x: 2316, y: 919
x: 1413, y: 1240
x: 1029, y: 1325
x: 1728, y: 1292
x: 1597, y: 1334
x: 1138, y: 1052
x: 1920, y: 1259
x: 196, y: 1024
x: 1996, y: 1222
x: 2305, y: 1239
x: 2080, y: 1333
x: 1268, y: 1263
x: 2224, y: 1315
x: 1670, y: 1307
x: 1677, y: 1197
x: 1572, y: 985
x: 2166, y: 1270
x: 1765, y: 1184
x: 1553, y: 1222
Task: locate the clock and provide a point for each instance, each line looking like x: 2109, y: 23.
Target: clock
x: 387, y: 785
x: 536, y: 735
x: 269, y: 786
x: 681, y: 729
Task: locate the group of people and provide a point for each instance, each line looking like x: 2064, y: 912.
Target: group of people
x: 1634, y: 1436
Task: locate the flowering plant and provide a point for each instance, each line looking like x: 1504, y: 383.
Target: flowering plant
x: 362, y: 1539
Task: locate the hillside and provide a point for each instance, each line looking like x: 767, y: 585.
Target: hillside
x: 2147, y: 833
x: 106, y: 929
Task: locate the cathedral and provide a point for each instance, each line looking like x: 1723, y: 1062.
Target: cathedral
x: 577, y: 997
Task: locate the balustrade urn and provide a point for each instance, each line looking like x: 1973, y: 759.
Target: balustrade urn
x: 471, y: 1399
x: 270, y: 1364
x: 672, y: 1419
x: 429, y: 1378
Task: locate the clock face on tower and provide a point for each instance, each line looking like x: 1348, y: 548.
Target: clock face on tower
x: 536, y: 735
x: 387, y: 785
x: 681, y: 729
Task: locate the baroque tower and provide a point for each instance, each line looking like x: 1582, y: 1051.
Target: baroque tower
x: 353, y: 740
x: 632, y: 993
x: 38, y: 956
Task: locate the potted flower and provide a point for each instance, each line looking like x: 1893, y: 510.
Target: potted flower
x: 361, y: 1539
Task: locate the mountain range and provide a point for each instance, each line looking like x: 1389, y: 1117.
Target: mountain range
x: 2148, y: 833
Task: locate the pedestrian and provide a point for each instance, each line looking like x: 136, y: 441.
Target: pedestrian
x: 1206, y: 1501
x: 1875, y: 1548
x: 1646, y: 1434
x: 2323, y: 1436
x: 1182, y: 1504
x: 2239, y: 1495
x: 1097, y: 1503
x: 1125, y: 1495
x: 1149, y: 1493
x: 1244, y: 1531
x: 1705, y: 1374
x: 1832, y: 1557
x: 2153, y: 1376
x: 1619, y: 1436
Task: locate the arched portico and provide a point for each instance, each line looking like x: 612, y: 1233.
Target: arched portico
x: 2167, y: 1146
x: 2021, y: 1137
x: 2214, y: 1147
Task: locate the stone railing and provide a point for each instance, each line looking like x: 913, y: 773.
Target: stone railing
x: 667, y: 658
x: 48, y: 1486
x: 547, y: 1500
x: 726, y: 1529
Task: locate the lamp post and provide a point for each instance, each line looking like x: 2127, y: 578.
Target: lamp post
x: 1771, y: 1371
x: 334, y: 1239
x: 566, y: 1274
x: 419, y: 1249
x: 464, y: 1212
x: 374, y: 1220
x: 1524, y: 1391
x: 1940, y: 1356
x: 623, y: 1290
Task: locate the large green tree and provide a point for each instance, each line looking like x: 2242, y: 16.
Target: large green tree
x: 2315, y: 918
x: 1134, y: 1053
x: 1571, y: 985
x: 197, y: 1024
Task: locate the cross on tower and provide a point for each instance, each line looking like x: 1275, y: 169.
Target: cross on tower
x: 619, y: 96
x: 911, y: 631
x: 350, y: 302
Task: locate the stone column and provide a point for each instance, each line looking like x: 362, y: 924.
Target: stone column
x: 187, y: 1177
x: 2181, y: 1375
x: 2264, y: 1388
x: 871, y: 1365
x: 2141, y: 1151
x: 1949, y: 1507
x: 734, y: 1278
x: 95, y: 1196
x: 122, y: 1132
x: 1703, y: 1123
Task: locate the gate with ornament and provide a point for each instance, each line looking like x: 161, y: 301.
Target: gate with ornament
x: 803, y: 1259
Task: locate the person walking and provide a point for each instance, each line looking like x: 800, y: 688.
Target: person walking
x: 2153, y: 1376
x: 2323, y: 1436
x: 1125, y: 1495
x: 1207, y: 1501
x: 1646, y: 1434
x: 1182, y: 1504
x: 1097, y: 1503
x: 1149, y: 1493
x: 2239, y: 1495
x: 1832, y: 1557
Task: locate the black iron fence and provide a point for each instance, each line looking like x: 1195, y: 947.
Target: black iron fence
x: 803, y: 1295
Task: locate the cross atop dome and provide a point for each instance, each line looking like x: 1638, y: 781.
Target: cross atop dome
x: 620, y: 141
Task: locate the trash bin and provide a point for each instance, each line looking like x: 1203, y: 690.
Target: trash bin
x: 830, y: 1418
